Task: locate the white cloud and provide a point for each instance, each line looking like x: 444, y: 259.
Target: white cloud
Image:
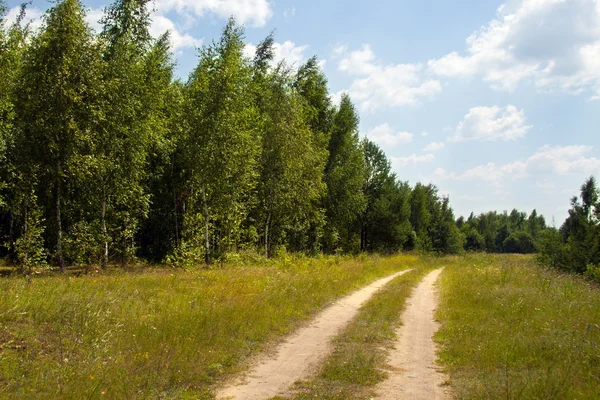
x: 161, y: 24
x: 378, y: 86
x: 287, y: 51
x: 339, y: 49
x: 412, y: 159
x: 547, y: 162
x: 33, y: 17
x: 289, y: 12
x: 384, y: 135
x: 253, y: 12
x: 434, y: 146
x: 93, y: 17
x: 492, y: 124
x: 546, y: 185
x: 554, y: 44
x: 424, y: 133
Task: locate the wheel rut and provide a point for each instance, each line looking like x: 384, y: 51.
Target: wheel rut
x: 301, y: 354
x: 413, y: 373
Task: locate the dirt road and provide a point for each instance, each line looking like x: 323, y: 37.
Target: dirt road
x: 412, y: 369
x: 302, y: 353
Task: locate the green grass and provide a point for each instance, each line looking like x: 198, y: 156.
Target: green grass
x: 359, y: 357
x: 512, y: 329
x: 166, y: 334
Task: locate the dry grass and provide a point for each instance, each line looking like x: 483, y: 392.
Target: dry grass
x: 160, y: 333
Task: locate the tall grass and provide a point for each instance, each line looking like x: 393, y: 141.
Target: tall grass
x: 162, y: 333
x: 512, y: 329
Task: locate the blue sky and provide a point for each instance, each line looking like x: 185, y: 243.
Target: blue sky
x: 498, y: 104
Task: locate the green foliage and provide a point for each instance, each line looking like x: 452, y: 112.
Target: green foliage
x: 291, y: 162
x: 519, y: 242
x: 576, y: 246
x: 344, y: 175
x: 593, y: 272
x: 121, y: 161
x: 491, y: 231
x: 221, y: 141
x: 385, y: 225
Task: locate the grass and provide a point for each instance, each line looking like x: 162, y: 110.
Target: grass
x: 167, y: 334
x: 512, y: 329
x: 359, y: 358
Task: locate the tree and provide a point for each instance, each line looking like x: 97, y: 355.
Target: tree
x: 385, y: 224
x: 519, y: 242
x: 420, y: 216
x: 311, y: 85
x: 135, y: 76
x: 13, y: 44
x: 222, y: 142
x: 344, y: 175
x: 291, y: 163
x: 56, y: 101
x: 581, y: 230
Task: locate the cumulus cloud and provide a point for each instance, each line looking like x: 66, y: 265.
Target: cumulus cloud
x: 33, y: 17
x: 93, y: 17
x: 385, y: 136
x: 434, y: 146
x: 548, y: 161
x: 252, y: 12
x: 160, y: 24
x: 554, y: 44
x: 377, y: 85
x: 412, y: 159
x: 179, y: 40
x: 287, y: 51
x: 492, y: 124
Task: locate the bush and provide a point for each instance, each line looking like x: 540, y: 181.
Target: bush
x: 593, y: 272
x: 519, y: 242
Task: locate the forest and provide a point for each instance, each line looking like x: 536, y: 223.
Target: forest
x: 106, y: 158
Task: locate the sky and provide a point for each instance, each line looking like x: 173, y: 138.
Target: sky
x: 496, y: 103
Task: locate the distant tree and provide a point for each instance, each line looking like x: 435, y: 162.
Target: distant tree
x: 519, y: 242
x: 420, y: 216
x: 385, y: 224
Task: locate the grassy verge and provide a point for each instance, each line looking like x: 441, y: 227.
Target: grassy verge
x: 359, y: 357
x: 161, y: 333
x: 512, y: 329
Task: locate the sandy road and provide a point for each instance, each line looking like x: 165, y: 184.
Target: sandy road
x: 303, y: 352
x: 412, y: 369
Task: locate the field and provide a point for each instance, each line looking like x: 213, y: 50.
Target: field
x: 510, y: 329
x: 162, y: 333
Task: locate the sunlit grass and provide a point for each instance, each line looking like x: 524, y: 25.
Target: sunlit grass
x: 512, y: 329
x: 161, y: 333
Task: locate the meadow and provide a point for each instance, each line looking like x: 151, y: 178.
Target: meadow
x: 509, y: 328
x: 513, y: 329
x: 162, y: 333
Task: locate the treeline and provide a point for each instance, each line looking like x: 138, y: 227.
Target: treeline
x: 495, y: 232
x: 105, y: 157
x: 575, y: 246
